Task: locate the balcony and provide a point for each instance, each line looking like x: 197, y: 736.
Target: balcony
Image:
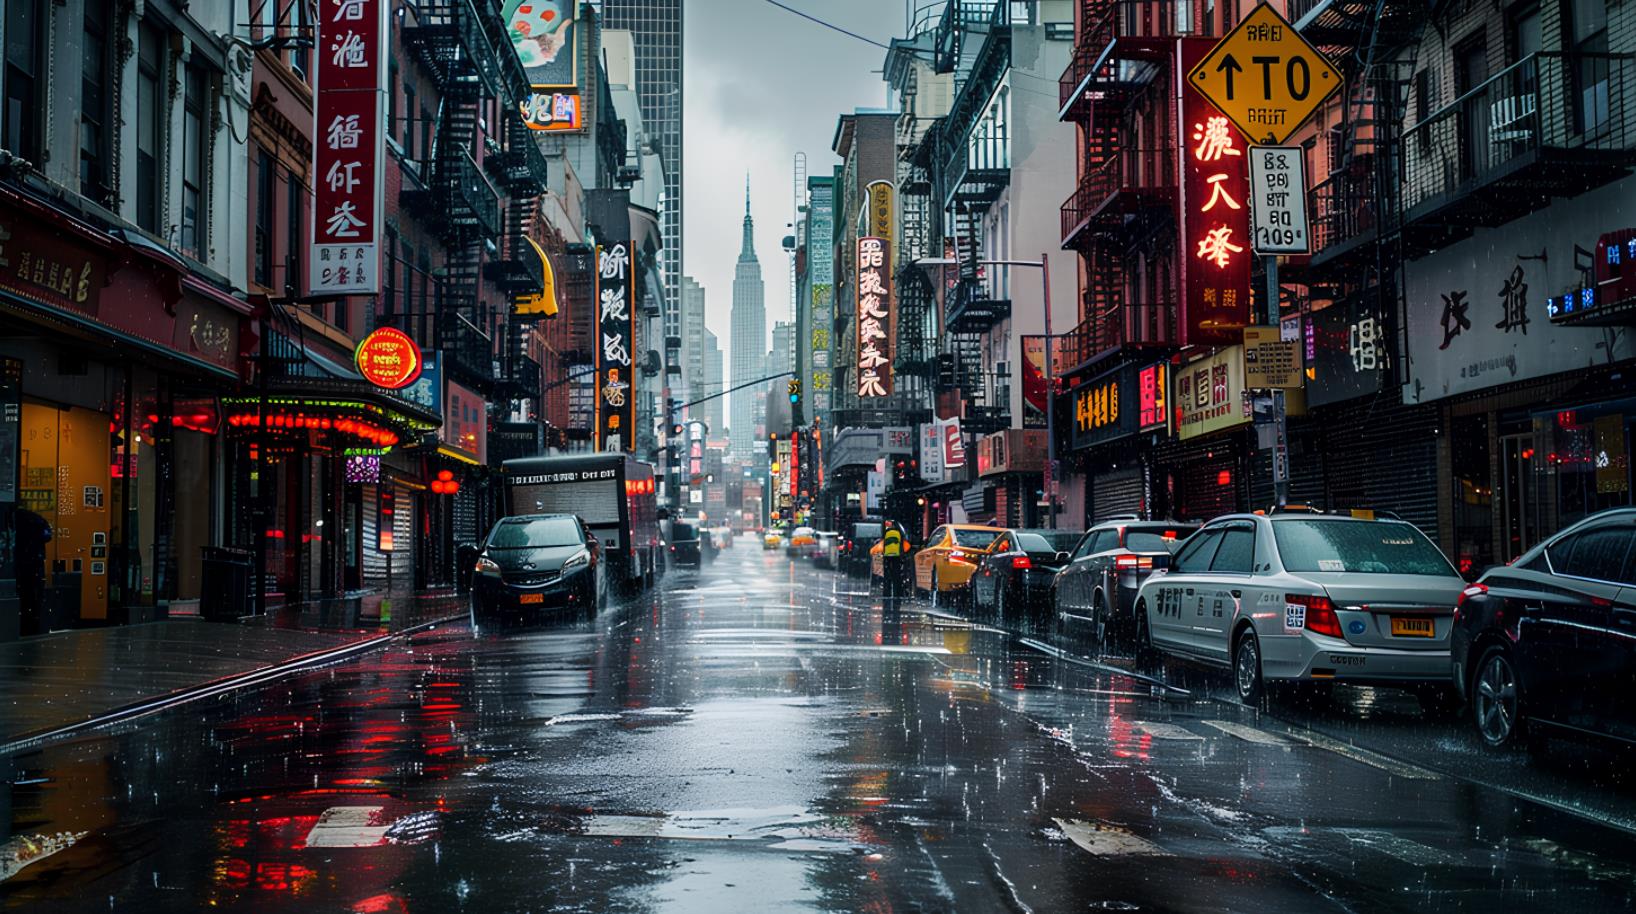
x: 1125, y: 185
x: 1344, y: 214
x: 1125, y: 42
x: 974, y: 308
x: 523, y: 382
x: 520, y: 167
x: 467, y: 350
x: 449, y: 38
x: 460, y: 203
x: 518, y: 271
x: 1550, y: 125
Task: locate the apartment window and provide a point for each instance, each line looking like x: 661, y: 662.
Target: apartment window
x: 195, y: 153
x: 392, y: 98
x: 389, y: 290
x: 94, y: 105
x: 300, y: 58
x: 264, y: 219
x: 426, y: 133
x: 408, y: 121
x: 150, y: 121
x: 295, y: 199
x: 25, y: 24
x: 1585, y: 24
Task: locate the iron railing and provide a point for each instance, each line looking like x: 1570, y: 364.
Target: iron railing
x: 1549, y: 101
x: 461, y: 202
x: 1343, y: 207
x: 451, y: 40
x: 466, y: 349
x: 1149, y: 174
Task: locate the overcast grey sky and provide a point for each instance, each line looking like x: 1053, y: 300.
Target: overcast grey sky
x: 761, y: 84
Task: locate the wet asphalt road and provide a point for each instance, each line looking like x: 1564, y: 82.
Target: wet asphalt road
x: 760, y: 736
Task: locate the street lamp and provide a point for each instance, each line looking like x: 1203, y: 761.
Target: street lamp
x: 1044, y: 266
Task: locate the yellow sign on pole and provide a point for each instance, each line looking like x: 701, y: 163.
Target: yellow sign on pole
x: 1270, y: 361
x: 1265, y: 77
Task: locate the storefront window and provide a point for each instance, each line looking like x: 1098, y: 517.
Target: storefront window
x: 1590, y: 456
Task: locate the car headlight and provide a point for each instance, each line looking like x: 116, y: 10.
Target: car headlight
x: 486, y: 565
x: 577, y: 560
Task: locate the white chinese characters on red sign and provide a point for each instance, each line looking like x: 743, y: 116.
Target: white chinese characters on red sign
x: 874, y: 318
x: 347, y: 147
x: 1215, y: 217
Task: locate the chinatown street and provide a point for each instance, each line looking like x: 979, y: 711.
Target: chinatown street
x: 757, y: 735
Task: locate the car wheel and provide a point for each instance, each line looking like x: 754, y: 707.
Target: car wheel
x: 1496, y: 706
x: 1247, y: 668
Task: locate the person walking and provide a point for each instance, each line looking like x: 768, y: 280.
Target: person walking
x: 894, y: 549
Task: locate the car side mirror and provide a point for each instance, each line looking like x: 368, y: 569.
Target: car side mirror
x: 1063, y: 558
x: 1161, y: 562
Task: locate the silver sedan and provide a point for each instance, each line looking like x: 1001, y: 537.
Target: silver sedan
x: 1306, y: 596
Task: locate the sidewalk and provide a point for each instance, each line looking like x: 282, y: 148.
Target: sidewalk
x: 73, y: 678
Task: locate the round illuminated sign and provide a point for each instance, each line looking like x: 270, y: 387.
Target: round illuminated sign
x: 388, y: 358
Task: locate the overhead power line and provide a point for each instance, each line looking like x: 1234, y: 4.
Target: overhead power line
x: 828, y: 25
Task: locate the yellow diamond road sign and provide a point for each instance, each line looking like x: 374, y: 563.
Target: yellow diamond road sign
x: 1265, y: 77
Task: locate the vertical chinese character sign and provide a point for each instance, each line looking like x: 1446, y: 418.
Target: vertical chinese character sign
x: 348, y: 106
x: 616, y: 338
x: 1215, y: 214
x: 874, y: 318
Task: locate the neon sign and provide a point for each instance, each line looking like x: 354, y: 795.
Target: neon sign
x: 1215, y: 222
x: 874, y: 318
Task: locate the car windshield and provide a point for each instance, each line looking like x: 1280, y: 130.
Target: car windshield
x: 1367, y: 547
x: 865, y: 531
x: 975, y: 539
x: 680, y: 532
x: 1155, y: 539
x: 1047, y: 540
x: 535, y: 533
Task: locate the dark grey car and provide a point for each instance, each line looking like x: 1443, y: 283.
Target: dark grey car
x: 1095, y: 592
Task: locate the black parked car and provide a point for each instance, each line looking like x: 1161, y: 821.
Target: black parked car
x: 1096, y: 591
x: 857, y: 539
x: 533, y: 565
x: 684, y: 544
x: 1547, y: 644
x: 1014, y: 574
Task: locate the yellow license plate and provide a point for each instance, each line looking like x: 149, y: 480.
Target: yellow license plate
x: 531, y: 598
x: 1413, y: 627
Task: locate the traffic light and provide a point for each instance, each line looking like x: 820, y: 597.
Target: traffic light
x: 795, y: 391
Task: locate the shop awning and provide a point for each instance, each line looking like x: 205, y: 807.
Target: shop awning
x: 545, y: 303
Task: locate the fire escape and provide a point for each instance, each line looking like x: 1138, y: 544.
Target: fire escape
x: 969, y: 154
x: 1121, y: 218
x: 456, y: 44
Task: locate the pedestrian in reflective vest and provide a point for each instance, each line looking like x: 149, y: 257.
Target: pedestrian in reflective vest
x: 892, y: 551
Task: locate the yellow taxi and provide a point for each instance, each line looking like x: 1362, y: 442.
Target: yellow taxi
x: 946, y: 563
x: 772, y: 539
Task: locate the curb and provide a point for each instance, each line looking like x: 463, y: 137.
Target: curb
x: 231, y: 683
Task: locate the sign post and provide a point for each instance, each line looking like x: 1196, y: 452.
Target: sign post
x: 1267, y: 79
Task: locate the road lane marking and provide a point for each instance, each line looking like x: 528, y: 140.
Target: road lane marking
x: 1366, y: 757
x: 1247, y: 733
x: 349, y: 826
x: 1167, y: 731
x: 1101, y: 840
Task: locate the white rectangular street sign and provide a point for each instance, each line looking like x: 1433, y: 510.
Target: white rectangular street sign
x: 1278, y: 200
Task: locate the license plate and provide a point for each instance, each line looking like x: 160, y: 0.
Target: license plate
x: 1413, y: 627
x: 531, y: 598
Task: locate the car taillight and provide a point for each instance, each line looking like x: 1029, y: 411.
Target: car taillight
x: 1471, y: 592
x: 1133, y: 562
x: 1321, y: 616
x: 1021, y: 561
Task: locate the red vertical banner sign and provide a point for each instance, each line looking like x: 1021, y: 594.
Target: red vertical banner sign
x: 1214, y: 213
x: 616, y: 341
x: 874, y: 318
x: 349, y: 102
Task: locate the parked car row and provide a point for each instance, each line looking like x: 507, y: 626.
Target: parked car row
x: 1293, y: 596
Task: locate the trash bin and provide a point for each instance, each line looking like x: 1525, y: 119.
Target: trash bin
x: 224, y: 587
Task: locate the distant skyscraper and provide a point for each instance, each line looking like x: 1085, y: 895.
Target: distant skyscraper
x: 692, y: 341
x: 710, y: 374
x: 657, y: 27
x: 749, y: 337
x: 782, y: 358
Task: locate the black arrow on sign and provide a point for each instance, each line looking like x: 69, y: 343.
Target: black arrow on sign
x: 1230, y: 67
